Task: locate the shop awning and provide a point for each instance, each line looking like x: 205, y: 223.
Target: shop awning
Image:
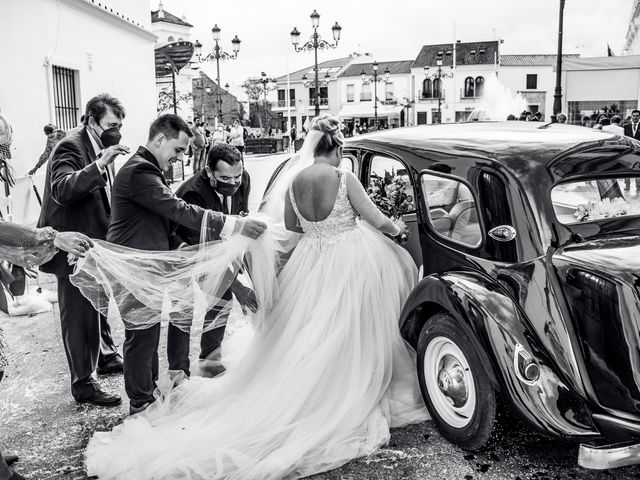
x: 358, y: 110
x: 174, y: 54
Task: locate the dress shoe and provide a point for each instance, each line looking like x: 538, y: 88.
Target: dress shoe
x: 10, y: 459
x: 101, y: 399
x: 112, y: 367
x: 133, y: 410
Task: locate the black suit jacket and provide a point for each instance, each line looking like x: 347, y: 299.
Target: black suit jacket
x: 198, y: 191
x: 628, y: 131
x: 145, y: 210
x: 74, y: 197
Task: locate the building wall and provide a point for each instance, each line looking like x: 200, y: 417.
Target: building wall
x: 515, y: 79
x: 304, y: 107
x: 184, y: 79
x: 165, y: 30
x: 589, y: 91
x: 110, y: 54
x: 400, y: 94
x: 205, y: 105
x: 454, y: 106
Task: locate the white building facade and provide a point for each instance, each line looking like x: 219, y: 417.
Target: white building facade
x: 533, y: 76
x: 452, y: 85
x: 76, y: 49
x: 591, y: 85
x: 296, y: 94
x: 170, y: 28
x: 386, y: 94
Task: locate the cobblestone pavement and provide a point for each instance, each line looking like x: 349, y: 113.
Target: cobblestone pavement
x: 41, y: 422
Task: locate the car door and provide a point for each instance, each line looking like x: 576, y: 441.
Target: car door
x: 383, y: 170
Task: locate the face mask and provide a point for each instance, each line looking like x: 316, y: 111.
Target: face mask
x: 227, y: 189
x: 110, y: 137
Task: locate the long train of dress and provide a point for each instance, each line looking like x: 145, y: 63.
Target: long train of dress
x: 321, y: 383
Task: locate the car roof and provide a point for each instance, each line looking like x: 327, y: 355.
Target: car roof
x: 505, y: 142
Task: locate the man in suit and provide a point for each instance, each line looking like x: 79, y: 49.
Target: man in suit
x: 144, y: 212
x: 631, y: 130
x: 77, y: 198
x: 222, y: 186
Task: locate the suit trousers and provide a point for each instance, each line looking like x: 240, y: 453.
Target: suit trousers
x: 210, y: 341
x: 86, y: 337
x: 141, y: 364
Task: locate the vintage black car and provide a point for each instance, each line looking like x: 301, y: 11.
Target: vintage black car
x: 527, y: 237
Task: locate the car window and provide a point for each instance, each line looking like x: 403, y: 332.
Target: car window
x: 590, y: 200
x: 452, y: 209
x: 391, y: 185
x: 348, y: 163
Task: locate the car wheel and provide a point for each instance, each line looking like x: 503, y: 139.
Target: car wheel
x: 455, y: 387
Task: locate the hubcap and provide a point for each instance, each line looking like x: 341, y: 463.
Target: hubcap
x: 449, y: 382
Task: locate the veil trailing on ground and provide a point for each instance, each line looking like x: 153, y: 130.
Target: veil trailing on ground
x: 144, y: 288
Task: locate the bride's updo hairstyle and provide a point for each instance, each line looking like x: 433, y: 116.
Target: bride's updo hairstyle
x: 332, y: 137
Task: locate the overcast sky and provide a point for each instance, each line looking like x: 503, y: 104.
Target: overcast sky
x: 396, y: 29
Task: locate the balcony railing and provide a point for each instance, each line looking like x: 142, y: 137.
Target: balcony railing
x: 322, y: 101
x: 464, y: 96
x: 432, y: 95
x: 283, y: 103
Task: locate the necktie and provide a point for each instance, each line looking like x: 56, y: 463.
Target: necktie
x: 107, y: 176
x: 634, y: 128
x: 225, y: 205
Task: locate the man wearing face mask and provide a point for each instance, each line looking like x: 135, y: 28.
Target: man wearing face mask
x: 145, y: 214
x: 222, y: 186
x: 77, y: 197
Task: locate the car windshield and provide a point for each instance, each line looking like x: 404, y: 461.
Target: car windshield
x: 597, y: 199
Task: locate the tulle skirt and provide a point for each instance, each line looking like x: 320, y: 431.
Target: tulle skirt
x: 322, y: 381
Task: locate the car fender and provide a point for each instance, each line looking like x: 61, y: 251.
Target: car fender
x: 495, y: 324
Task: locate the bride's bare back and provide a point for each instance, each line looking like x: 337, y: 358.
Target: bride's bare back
x: 315, y: 190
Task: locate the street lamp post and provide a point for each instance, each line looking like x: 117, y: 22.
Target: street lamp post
x: 439, y: 75
x: 266, y: 82
x: 315, y: 43
x: 374, y: 79
x: 217, y: 54
x: 557, y: 96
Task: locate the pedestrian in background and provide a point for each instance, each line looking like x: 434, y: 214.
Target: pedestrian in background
x: 219, y: 136
x: 236, y: 136
x: 198, y: 145
x: 54, y: 135
x: 614, y: 127
x: 562, y: 118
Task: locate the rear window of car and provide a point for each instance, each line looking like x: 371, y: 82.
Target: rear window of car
x: 597, y: 199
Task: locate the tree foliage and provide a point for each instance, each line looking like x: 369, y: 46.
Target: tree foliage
x: 165, y: 99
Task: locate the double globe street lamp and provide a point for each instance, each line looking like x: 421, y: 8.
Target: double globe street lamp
x: 438, y: 75
x: 218, y: 54
x: 375, y: 78
x: 315, y: 43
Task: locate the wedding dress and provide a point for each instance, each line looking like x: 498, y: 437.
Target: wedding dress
x: 323, y: 380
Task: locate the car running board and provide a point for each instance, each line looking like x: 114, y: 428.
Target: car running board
x: 609, y: 456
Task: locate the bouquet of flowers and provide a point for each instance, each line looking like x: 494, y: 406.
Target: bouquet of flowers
x: 389, y: 195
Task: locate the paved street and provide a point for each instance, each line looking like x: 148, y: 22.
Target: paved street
x: 49, y: 431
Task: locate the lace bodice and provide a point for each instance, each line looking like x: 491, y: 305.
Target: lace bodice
x: 341, y: 219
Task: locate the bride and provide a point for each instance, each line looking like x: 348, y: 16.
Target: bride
x: 326, y: 375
